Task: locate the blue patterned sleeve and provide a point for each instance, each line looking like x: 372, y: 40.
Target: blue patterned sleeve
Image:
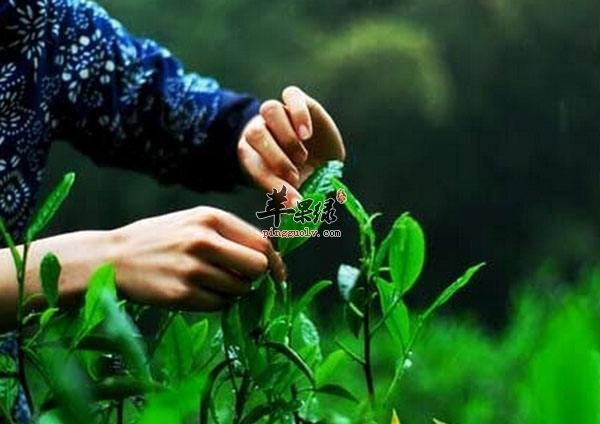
x: 127, y: 102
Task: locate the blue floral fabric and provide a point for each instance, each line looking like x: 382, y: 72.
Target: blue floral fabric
x: 69, y: 71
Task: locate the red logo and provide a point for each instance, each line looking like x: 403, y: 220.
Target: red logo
x: 341, y: 196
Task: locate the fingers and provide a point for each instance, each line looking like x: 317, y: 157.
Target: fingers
x: 189, y: 297
x: 248, y: 262
x: 278, y: 123
x: 258, y: 136
x: 234, y: 245
x: 203, y: 300
x: 220, y: 281
x: 296, y: 102
x: 239, y: 231
x: 261, y: 174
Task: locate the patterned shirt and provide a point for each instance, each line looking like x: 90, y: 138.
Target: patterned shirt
x: 69, y: 71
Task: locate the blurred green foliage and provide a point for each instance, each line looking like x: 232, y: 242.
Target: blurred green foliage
x: 479, y: 116
x: 542, y: 368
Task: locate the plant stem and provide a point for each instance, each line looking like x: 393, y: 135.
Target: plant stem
x: 349, y: 352
x: 120, y: 410
x: 294, y: 391
x: 367, y: 250
x: 386, y: 315
x: 240, y: 399
x: 287, y: 305
x: 367, y: 366
x: 407, y: 351
x: 231, y: 373
x: 21, y: 274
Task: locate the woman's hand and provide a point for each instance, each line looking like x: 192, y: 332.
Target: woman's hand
x: 197, y: 259
x: 288, y: 141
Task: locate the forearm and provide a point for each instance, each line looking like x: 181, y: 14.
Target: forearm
x: 79, y: 254
x: 196, y: 259
x: 137, y: 108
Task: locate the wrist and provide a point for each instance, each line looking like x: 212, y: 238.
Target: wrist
x: 79, y: 254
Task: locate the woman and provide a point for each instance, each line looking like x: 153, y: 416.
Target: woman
x: 69, y: 71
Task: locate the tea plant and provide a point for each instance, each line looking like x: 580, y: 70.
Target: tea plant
x: 264, y: 361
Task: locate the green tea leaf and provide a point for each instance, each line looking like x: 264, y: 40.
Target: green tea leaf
x: 119, y: 327
x: 93, y: 312
x: 51, y: 417
x: 394, y: 312
x: 268, y: 292
x: 305, y: 332
x: 338, y: 391
x: 272, y: 408
x: 452, y: 289
x: 9, y: 387
x: 256, y: 307
x: 199, y: 332
x: 406, y: 252
x: 47, y: 316
x: 257, y: 413
x: 288, y: 244
x: 8, y: 240
x: 311, y: 354
x: 353, y: 318
x: 206, y: 396
x: 352, y: 204
x: 277, y: 330
x: 274, y: 374
x: 102, y: 307
x: 327, y: 369
x: 239, y: 339
x: 176, y: 350
x: 309, y: 295
x: 175, y: 405
x: 233, y: 334
x: 563, y: 373
x: 347, y: 278
x: 383, y: 251
x: 294, y: 358
x: 122, y: 387
x: 47, y: 211
x: 321, y: 180
x: 69, y: 385
x: 49, y: 275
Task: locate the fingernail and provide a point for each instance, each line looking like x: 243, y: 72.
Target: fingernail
x: 294, y: 178
x: 293, y: 200
x: 303, y: 132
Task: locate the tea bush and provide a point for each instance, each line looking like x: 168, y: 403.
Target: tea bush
x: 263, y: 361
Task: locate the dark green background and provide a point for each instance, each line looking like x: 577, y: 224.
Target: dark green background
x: 479, y: 117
